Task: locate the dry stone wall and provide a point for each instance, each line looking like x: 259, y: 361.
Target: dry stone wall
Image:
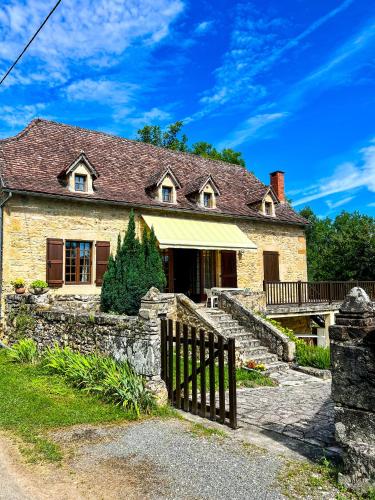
x: 353, y: 387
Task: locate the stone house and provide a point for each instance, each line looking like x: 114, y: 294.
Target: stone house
x: 66, y: 194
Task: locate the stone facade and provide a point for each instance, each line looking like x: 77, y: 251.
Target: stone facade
x: 353, y: 387
x: 30, y: 220
x: 288, y: 241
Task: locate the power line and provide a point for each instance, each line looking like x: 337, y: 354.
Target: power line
x: 30, y: 41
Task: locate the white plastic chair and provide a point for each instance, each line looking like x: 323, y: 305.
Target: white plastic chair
x: 212, y: 300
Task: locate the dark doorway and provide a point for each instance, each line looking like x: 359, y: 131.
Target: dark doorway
x: 228, y: 269
x: 187, y: 274
x: 271, y: 266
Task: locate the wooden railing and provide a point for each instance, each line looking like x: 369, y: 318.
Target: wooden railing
x: 304, y: 292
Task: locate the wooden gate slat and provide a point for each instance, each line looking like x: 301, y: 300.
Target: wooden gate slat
x: 170, y: 361
x: 194, y: 406
x: 221, y: 381
x: 178, y: 365
x: 202, y: 356
x: 186, y: 368
x: 211, y: 348
x: 232, y: 384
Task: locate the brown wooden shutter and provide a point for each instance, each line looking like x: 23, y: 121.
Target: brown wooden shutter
x: 102, y: 256
x: 55, y: 256
x: 271, y: 266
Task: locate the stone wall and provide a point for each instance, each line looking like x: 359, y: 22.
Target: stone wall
x: 289, y: 241
x: 269, y: 336
x: 255, y: 301
x: 136, y: 339
x: 353, y: 388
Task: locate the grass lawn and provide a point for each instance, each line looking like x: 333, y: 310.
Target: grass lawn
x: 32, y: 402
x: 244, y: 378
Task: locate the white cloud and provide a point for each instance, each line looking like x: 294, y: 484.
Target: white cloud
x: 82, y: 30
x: 101, y: 91
x: 203, y: 27
x: 250, y: 128
x: 339, y: 203
x: 256, y: 44
x: 14, y: 116
x: 372, y: 204
x: 346, y: 177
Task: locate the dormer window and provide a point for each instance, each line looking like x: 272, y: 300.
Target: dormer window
x: 79, y: 176
x: 268, y: 208
x: 208, y: 200
x: 167, y: 194
x: 163, y: 186
x: 80, y: 183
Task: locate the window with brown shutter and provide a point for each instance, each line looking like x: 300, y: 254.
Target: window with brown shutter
x: 55, y: 253
x: 102, y: 256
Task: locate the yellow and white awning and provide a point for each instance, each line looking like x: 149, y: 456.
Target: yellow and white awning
x: 176, y: 232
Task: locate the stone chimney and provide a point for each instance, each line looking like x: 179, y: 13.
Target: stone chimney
x: 277, y: 183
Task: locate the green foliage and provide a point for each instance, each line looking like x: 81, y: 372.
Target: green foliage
x: 312, y: 355
x: 32, y: 402
x: 152, y: 134
x: 18, y: 283
x: 135, y: 269
x: 39, y: 284
x: 306, y: 355
x: 23, y: 322
x: 341, y: 249
x: 112, y: 381
x: 24, y: 351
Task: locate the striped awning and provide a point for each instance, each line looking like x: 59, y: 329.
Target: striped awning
x: 178, y: 232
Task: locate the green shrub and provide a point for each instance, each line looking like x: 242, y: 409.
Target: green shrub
x: 132, y: 272
x: 24, y: 351
x: 306, y: 355
x: 112, y: 381
x: 39, y: 284
x: 312, y: 355
x: 23, y: 322
x: 18, y: 283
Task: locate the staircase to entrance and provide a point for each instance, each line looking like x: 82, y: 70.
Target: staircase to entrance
x: 248, y: 346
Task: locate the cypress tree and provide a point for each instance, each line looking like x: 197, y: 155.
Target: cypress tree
x: 154, y: 264
x: 135, y: 269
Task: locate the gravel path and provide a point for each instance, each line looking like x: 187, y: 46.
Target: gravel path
x: 175, y: 463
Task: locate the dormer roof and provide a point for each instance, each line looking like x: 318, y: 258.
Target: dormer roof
x: 158, y: 177
x: 198, y: 184
x: 258, y: 196
x: 82, y: 158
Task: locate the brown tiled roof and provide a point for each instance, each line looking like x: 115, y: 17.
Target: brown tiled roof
x: 32, y: 161
x: 197, y: 184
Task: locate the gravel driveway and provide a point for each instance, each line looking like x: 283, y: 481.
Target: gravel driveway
x: 172, y: 462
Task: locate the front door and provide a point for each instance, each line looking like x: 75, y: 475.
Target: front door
x: 271, y: 266
x: 228, y: 269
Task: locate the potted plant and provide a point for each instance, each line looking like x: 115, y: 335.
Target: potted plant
x: 38, y: 287
x: 19, y: 285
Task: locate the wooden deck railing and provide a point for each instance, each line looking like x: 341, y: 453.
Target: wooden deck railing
x: 304, y: 292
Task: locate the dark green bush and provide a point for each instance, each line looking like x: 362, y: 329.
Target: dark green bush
x: 132, y: 272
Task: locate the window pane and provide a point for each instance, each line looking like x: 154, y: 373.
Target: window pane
x: 167, y: 194
x: 77, y: 253
x: 80, y: 182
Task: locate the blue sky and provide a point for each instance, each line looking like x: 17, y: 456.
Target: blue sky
x: 290, y: 83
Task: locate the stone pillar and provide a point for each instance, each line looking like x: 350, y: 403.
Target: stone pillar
x: 353, y: 388
x: 323, y: 333
x: 154, y: 306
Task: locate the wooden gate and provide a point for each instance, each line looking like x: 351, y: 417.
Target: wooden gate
x: 199, y: 371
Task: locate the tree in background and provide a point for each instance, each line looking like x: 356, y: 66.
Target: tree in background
x: 340, y: 249
x: 152, y: 134
x: 132, y: 272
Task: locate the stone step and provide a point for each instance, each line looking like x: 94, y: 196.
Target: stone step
x: 256, y: 352
x: 265, y: 359
x: 227, y: 323
x: 231, y: 332
x: 276, y: 367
